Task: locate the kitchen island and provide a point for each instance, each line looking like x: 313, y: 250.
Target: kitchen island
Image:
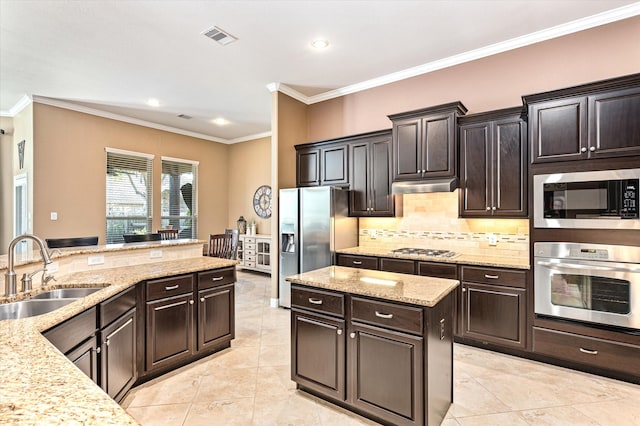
x: 377, y: 343
x: 38, y: 384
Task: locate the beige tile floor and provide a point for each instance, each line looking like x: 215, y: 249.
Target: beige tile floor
x: 249, y: 384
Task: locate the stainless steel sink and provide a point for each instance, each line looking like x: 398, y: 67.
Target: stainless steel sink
x: 66, y: 293
x: 31, y: 307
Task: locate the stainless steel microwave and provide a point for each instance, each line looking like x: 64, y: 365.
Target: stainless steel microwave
x: 606, y: 199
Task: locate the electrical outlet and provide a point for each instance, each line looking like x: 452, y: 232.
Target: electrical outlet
x: 493, y: 239
x: 53, y: 267
x: 95, y: 260
x: 154, y: 254
x: 373, y: 234
x: 54, y: 215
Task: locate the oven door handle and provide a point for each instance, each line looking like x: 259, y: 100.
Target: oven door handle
x: 592, y: 267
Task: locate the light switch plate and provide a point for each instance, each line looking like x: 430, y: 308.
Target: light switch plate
x: 95, y: 260
x: 54, y: 215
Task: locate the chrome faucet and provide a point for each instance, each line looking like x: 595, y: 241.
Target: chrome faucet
x: 10, y: 277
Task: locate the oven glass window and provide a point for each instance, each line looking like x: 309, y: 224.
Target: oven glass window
x: 591, y: 292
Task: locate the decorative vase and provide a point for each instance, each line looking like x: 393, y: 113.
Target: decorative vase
x: 242, y: 225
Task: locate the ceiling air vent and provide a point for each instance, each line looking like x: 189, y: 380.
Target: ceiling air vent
x: 219, y: 35
x: 185, y: 116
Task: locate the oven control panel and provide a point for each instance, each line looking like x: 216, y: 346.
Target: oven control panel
x: 588, y: 253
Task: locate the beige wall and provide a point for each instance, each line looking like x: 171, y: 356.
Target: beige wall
x: 249, y: 168
x: 490, y: 83
x: 69, y: 178
x: 6, y: 182
x: 292, y: 129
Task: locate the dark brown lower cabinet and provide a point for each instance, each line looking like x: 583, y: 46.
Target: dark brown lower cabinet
x: 215, y: 316
x: 385, y: 372
x: 118, y: 356
x: 318, y: 353
x: 85, y: 357
x: 169, y: 330
x: 386, y: 360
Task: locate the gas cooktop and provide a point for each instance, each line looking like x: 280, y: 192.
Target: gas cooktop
x: 425, y: 252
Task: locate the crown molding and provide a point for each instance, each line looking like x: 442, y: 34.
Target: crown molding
x: 493, y: 49
x: 22, y: 103
x: 250, y: 137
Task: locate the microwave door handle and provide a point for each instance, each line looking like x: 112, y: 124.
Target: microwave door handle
x: 592, y: 267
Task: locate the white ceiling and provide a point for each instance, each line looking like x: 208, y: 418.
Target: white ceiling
x: 113, y: 55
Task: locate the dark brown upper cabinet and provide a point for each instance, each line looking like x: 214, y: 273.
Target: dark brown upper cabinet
x: 370, y: 175
x: 320, y: 164
x: 425, y: 142
x: 493, y: 158
x: 597, y: 120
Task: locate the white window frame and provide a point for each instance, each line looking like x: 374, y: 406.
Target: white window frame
x: 194, y: 202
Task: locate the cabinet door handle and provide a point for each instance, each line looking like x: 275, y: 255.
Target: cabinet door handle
x: 493, y: 208
x: 191, y: 302
x: 464, y: 290
x: 589, y: 352
x: 488, y: 208
x: 592, y: 148
x: 583, y: 149
x: 106, y: 342
x: 385, y: 316
x: 202, y: 299
x: 217, y: 278
x: 172, y: 287
x: 357, y: 262
x: 339, y: 332
x: 492, y: 277
x: 352, y: 335
x: 315, y: 301
x: 98, y: 350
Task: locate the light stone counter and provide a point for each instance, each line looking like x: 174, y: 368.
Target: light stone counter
x: 466, y: 259
x: 38, y: 385
x: 413, y: 289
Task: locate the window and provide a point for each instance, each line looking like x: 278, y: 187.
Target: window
x: 178, y: 204
x: 129, y: 176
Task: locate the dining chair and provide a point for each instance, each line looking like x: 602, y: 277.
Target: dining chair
x: 168, y: 234
x: 71, y: 242
x: 235, y: 235
x: 220, y: 245
x: 138, y: 238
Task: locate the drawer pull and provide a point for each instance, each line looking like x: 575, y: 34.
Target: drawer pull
x: 492, y: 277
x: 315, y: 301
x: 352, y: 335
x: 357, y: 262
x: 172, y: 287
x: 217, y: 278
x: 385, y: 316
x: 339, y: 332
x: 202, y: 299
x: 589, y: 352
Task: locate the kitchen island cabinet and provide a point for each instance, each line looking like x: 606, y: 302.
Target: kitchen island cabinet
x: 377, y: 343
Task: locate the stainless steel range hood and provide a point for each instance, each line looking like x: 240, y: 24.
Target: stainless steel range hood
x: 425, y: 186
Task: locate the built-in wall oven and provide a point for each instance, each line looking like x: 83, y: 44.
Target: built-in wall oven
x: 604, y: 199
x: 593, y: 283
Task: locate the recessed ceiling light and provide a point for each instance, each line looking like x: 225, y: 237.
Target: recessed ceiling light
x: 153, y: 102
x: 220, y: 121
x: 320, y: 43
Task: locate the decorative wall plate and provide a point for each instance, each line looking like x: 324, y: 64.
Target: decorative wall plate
x: 262, y: 201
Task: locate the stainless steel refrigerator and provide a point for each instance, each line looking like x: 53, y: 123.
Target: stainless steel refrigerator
x: 314, y: 223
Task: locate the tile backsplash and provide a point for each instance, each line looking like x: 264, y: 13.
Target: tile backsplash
x: 431, y: 220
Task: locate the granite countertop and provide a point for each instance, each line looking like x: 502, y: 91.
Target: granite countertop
x: 467, y: 259
x: 34, y: 256
x: 39, y: 385
x: 413, y: 289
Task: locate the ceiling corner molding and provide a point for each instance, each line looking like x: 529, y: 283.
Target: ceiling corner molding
x: 604, y: 18
x: 22, y: 103
x: 283, y: 88
x: 251, y: 137
x: 104, y: 114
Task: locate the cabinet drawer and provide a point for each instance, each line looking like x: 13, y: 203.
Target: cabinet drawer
x: 387, y: 315
x: 119, y: 304
x: 249, y: 263
x: 587, y: 350
x: 317, y: 300
x: 438, y: 270
x: 507, y: 277
x: 364, y: 262
x: 166, y: 287
x: 250, y: 247
x: 401, y: 266
x: 73, y: 331
x: 216, y: 277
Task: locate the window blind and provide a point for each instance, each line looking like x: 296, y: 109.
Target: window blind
x: 129, y: 177
x: 178, y: 204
